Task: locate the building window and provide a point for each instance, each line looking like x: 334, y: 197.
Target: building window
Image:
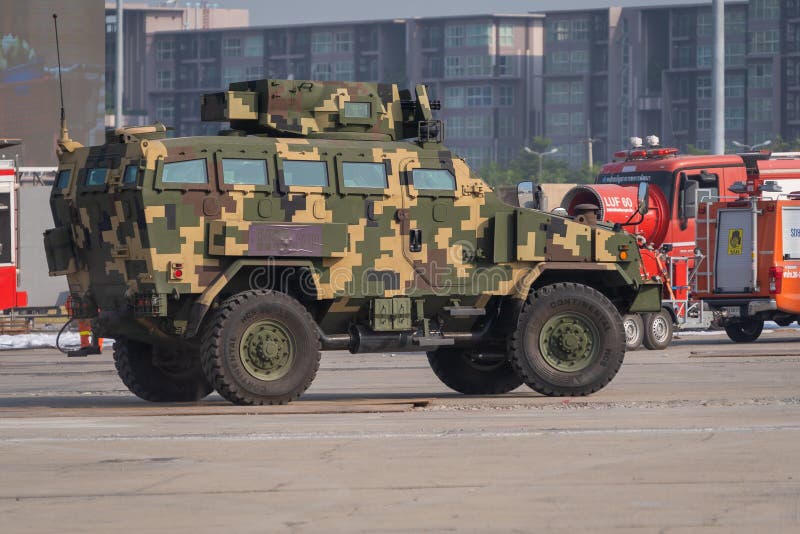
x: 231, y: 47
x: 683, y: 57
x: 703, y: 87
x: 764, y: 42
x: 254, y: 72
x: 506, y: 36
x: 165, y: 50
x: 735, y: 23
x: 455, y: 127
x: 682, y: 25
x: 576, y: 92
x: 556, y: 93
x: 734, y: 118
x: 477, y: 157
x: 254, y: 46
x: 557, y: 30
x: 557, y: 124
x: 432, y: 66
x: 579, y: 61
x: 506, y: 66
x: 734, y: 86
x: 321, y: 71
x: 759, y: 76
x: 558, y: 62
x: 453, y: 67
x: 479, y: 66
x: 431, y: 36
x: 344, y: 70
x: 505, y: 96
x: 231, y: 74
x: 764, y: 9
x: 703, y: 119
x: 703, y: 56
x: 759, y: 109
x: 580, y: 30
x: 368, y: 69
x: 453, y: 97
x: 478, y: 126
x: 165, y: 109
x: 344, y: 41
x: 478, y: 35
x: 454, y: 36
x: 577, y: 123
x: 165, y: 79
x: 480, y: 96
x: 734, y: 54
x: 321, y: 43
x: 506, y: 126
x: 704, y: 28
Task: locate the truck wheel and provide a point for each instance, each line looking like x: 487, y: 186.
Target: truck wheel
x: 657, y: 330
x: 179, y: 380
x: 634, y: 331
x: 460, y: 371
x: 744, y: 331
x: 260, y: 347
x: 569, y: 340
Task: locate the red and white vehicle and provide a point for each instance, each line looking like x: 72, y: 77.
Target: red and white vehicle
x: 10, y: 296
x: 668, y: 231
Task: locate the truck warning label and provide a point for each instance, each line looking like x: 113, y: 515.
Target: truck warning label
x: 735, y: 241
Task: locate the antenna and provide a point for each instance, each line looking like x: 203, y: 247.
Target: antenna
x: 64, y: 133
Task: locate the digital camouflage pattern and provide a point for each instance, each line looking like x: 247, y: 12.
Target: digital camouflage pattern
x: 154, y: 255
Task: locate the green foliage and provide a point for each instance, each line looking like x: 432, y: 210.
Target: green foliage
x: 525, y: 167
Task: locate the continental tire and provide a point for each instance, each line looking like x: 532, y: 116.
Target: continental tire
x: 179, y: 380
x: 569, y: 340
x: 744, y: 331
x: 459, y: 370
x: 634, y: 331
x: 260, y: 347
x: 658, y: 330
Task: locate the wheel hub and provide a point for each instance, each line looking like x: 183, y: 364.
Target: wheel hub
x: 267, y: 350
x: 568, y: 342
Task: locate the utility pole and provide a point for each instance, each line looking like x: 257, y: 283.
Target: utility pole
x: 718, y: 78
x: 120, y: 67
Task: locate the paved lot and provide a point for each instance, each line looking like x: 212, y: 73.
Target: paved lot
x: 703, y: 436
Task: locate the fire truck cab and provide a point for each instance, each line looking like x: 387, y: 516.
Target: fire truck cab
x: 10, y: 297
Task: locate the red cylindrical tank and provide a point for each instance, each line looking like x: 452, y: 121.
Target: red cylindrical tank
x: 618, y: 203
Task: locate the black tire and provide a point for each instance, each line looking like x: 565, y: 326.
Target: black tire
x: 174, y: 380
x: 460, y: 371
x: 633, y: 325
x: 744, y: 331
x: 569, y: 340
x: 260, y: 347
x: 658, y: 330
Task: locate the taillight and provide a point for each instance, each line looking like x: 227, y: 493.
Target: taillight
x: 775, y: 279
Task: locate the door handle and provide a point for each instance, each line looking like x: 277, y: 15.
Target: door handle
x: 415, y: 240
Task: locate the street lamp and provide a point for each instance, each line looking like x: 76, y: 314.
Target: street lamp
x: 751, y: 148
x: 541, y: 156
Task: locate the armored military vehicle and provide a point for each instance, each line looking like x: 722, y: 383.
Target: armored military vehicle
x: 330, y: 216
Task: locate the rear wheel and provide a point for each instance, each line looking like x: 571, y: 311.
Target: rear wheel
x: 634, y: 331
x: 657, y: 330
x: 744, y: 331
x: 157, y: 375
x: 261, y: 347
x: 569, y: 340
x: 462, y: 371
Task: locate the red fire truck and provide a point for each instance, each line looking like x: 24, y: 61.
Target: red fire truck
x: 678, y: 184
x: 10, y: 296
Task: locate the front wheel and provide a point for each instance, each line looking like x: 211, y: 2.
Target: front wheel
x: 657, y: 330
x: 462, y: 371
x: 744, y: 331
x: 260, y: 347
x: 569, y: 340
x: 634, y: 331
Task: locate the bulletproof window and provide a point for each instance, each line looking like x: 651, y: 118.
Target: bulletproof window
x: 62, y: 180
x: 371, y: 175
x: 186, y: 172
x: 433, y: 179
x: 131, y: 173
x: 244, y: 171
x: 95, y: 177
x: 357, y: 110
x: 305, y: 173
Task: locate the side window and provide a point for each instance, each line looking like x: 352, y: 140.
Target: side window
x: 244, y: 171
x: 62, y: 180
x: 438, y: 179
x: 95, y: 177
x: 368, y: 175
x: 131, y: 173
x: 305, y: 173
x: 185, y: 172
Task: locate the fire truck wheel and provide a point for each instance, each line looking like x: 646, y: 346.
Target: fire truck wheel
x: 159, y: 376
x: 744, y: 331
x: 657, y: 330
x: 569, y: 340
x: 461, y: 371
x: 634, y: 331
x: 260, y: 347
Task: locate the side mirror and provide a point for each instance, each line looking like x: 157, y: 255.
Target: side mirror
x: 525, y: 194
x: 643, y: 197
x: 687, y: 197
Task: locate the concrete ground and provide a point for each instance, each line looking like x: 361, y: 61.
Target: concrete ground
x: 704, y: 436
